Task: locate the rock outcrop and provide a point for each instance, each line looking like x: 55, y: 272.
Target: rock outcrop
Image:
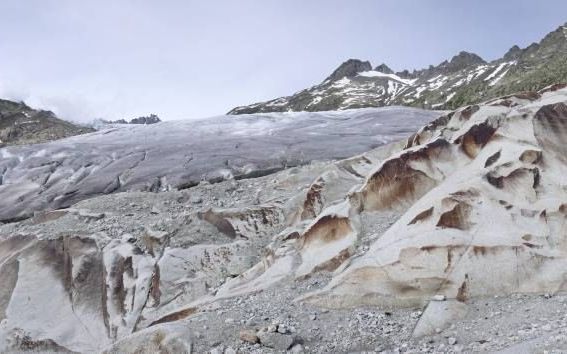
x: 349, y: 68
x: 20, y: 125
x: 480, y: 188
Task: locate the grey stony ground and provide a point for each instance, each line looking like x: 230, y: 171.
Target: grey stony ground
x: 278, y: 322
x: 520, y: 323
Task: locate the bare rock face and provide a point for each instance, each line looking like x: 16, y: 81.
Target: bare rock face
x: 20, y: 124
x: 491, y: 223
x: 479, y: 189
x: 350, y: 68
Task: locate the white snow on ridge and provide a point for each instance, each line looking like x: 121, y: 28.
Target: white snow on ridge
x: 434, y: 78
x: 373, y: 73
x: 450, y: 97
x: 278, y: 102
x: 316, y: 100
x: 342, y: 82
x: 477, y: 72
x: 437, y: 82
x: 498, y: 69
x: 419, y: 90
x: 393, y: 88
x: 493, y: 82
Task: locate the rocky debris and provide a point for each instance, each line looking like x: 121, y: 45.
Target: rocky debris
x: 168, y: 338
x: 275, y: 340
x: 249, y: 336
x: 87, y: 216
x: 464, y: 79
x: 20, y: 124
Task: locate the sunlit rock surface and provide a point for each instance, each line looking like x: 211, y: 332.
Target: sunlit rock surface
x: 487, y: 215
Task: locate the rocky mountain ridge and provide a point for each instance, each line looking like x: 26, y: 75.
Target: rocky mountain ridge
x: 465, y: 79
x: 20, y: 125
x: 151, y: 119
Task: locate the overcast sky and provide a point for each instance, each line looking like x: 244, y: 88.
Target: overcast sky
x: 190, y: 59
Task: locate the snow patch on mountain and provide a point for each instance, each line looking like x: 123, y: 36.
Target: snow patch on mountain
x: 497, y: 70
x: 390, y: 76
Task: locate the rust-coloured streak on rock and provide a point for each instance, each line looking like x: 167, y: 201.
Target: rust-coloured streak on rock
x: 334, y: 262
x: 223, y: 225
x: 456, y: 218
x: 475, y: 138
x: 501, y: 181
x: 175, y: 316
x: 467, y: 113
x: 462, y: 292
x: 437, y: 124
x: 327, y: 229
x: 531, y: 156
x: 422, y: 216
x: 550, y: 129
x: 527, y: 95
x: 396, y: 182
x: 313, y: 200
x: 479, y: 250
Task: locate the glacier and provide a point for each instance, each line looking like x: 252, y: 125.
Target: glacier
x: 180, y: 154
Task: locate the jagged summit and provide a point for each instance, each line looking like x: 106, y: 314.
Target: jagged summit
x: 383, y: 68
x: 513, y: 53
x: 463, y: 60
x: 464, y: 79
x: 349, y: 68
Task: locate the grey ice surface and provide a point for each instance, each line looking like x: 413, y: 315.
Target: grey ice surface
x: 179, y: 154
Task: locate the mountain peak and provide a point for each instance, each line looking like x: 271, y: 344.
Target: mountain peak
x: 513, y: 53
x: 350, y: 68
x: 464, y: 59
x: 383, y: 68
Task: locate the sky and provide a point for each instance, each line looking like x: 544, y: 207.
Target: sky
x: 185, y: 59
